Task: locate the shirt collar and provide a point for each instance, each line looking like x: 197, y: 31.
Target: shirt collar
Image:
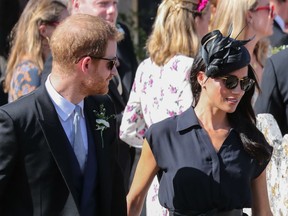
x: 280, y: 22
x: 187, y: 119
x: 64, y: 108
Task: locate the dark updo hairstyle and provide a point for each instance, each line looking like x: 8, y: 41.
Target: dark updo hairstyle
x: 220, y: 56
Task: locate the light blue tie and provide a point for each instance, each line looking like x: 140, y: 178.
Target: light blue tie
x: 77, y: 141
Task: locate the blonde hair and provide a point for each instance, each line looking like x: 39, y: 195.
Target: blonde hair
x: 231, y: 18
x: 174, y: 31
x: 261, y: 51
x: 26, y: 40
x: 231, y: 15
x: 81, y: 35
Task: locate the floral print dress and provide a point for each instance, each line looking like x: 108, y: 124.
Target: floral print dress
x: 157, y: 93
x: 26, y: 78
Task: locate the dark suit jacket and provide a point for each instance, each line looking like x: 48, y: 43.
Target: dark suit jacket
x: 274, y: 87
x: 37, y: 169
x: 278, y: 38
x: 127, y: 69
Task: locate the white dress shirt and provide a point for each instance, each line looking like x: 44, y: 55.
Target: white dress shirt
x: 65, y: 109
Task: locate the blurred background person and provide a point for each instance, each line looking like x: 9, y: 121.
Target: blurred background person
x: 274, y: 90
x: 247, y: 19
x: 161, y: 87
x: 9, y: 14
x: 279, y: 36
x: 213, y: 10
x: 30, y: 46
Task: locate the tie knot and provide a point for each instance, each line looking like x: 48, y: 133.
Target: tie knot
x: 78, y: 110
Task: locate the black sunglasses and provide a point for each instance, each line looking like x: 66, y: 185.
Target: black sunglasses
x: 231, y: 82
x: 111, y: 62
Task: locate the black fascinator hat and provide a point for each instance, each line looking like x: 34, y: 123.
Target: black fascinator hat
x: 223, y: 55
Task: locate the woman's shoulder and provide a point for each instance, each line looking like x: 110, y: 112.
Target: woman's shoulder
x: 181, y: 60
x: 166, y: 124
x: 27, y: 65
x: 176, y: 122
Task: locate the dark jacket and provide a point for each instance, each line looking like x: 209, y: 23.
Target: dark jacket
x: 38, y: 170
x: 274, y: 87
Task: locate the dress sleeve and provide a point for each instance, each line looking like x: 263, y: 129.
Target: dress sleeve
x: 25, y: 80
x: 133, y: 126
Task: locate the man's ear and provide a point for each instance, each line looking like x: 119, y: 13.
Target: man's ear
x: 85, y: 64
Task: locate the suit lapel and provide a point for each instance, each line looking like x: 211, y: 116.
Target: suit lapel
x: 59, y: 144
x: 103, y: 152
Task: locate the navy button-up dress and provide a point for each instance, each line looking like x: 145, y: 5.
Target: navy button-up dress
x: 193, y: 175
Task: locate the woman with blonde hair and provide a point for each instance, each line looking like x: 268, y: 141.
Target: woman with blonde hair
x: 30, y: 46
x: 246, y: 19
x: 161, y: 87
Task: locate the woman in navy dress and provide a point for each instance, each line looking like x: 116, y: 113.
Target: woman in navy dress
x: 211, y: 159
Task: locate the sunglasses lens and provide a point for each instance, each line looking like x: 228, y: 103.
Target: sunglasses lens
x: 246, y: 84
x: 231, y: 82
x: 110, y: 64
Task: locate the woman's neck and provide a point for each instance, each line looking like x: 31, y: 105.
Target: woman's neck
x: 213, y: 118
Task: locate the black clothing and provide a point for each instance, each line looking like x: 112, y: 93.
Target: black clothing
x: 273, y: 98
x: 194, y: 177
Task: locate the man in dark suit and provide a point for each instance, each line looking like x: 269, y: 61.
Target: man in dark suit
x: 279, y: 36
x: 274, y: 86
x: 121, y: 84
x: 48, y: 167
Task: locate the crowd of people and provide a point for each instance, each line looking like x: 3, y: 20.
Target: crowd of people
x: 78, y: 113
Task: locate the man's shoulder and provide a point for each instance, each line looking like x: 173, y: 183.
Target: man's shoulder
x: 279, y: 59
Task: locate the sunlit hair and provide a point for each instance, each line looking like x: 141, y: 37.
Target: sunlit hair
x: 26, y: 40
x: 174, y: 30
x: 261, y: 50
x: 243, y: 119
x: 230, y: 16
x: 81, y: 35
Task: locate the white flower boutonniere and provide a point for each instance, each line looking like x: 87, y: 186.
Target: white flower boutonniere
x: 102, y: 121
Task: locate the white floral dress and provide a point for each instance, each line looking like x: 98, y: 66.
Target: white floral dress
x: 157, y: 93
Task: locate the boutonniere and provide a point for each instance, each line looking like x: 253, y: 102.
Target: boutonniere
x: 102, y: 121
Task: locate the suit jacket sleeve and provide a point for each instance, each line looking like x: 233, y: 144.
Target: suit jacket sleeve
x: 8, y: 151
